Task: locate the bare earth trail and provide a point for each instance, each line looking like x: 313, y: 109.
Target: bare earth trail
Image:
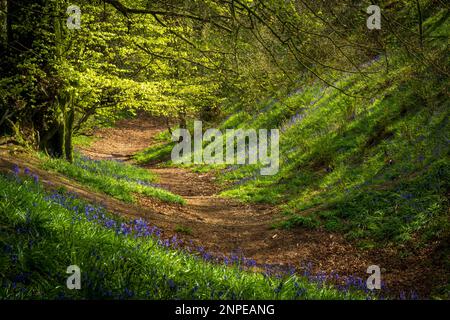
x: 222, y: 226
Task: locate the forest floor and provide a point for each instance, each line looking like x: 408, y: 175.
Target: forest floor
x: 222, y: 226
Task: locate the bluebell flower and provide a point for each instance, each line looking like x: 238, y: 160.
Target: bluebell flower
x: 207, y: 256
x: 300, y: 292
x: 129, y: 293
x: 234, y: 258
x: 277, y: 290
x: 251, y: 263
x: 407, y: 196
x: 110, y: 224
x: 7, y: 248
x: 414, y: 295
x: 125, y: 229
x: 171, y: 284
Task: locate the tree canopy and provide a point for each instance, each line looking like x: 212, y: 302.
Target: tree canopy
x: 180, y: 59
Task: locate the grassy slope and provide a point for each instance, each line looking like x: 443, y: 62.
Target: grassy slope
x: 114, y: 178
x: 374, y: 168
x: 377, y: 168
x: 42, y: 234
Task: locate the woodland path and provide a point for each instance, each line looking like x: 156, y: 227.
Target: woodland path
x: 223, y: 226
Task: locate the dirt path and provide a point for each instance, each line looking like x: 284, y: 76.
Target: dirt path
x: 223, y: 226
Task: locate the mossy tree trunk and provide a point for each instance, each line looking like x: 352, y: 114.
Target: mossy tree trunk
x: 63, y: 147
x: 182, y: 122
x: 70, y: 117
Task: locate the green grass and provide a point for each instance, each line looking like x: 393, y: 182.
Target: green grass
x: 375, y: 168
x: 156, y: 153
x: 183, y: 229
x: 41, y: 235
x: 83, y: 141
x: 161, y: 154
x: 379, y: 171
x: 119, y: 180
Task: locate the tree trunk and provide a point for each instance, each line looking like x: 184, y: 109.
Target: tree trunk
x: 419, y: 16
x: 183, y: 124
x: 4, y: 23
x: 69, y: 132
x: 168, y: 126
x: 54, y: 141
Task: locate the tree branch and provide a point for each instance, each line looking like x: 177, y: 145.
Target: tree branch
x: 126, y: 10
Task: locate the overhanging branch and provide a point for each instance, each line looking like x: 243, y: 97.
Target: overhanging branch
x: 126, y: 10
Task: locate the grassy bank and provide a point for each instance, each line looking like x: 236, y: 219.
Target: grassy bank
x: 371, y: 162
x: 117, y: 179
x: 376, y: 169
x: 41, y: 234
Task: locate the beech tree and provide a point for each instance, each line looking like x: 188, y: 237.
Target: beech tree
x: 180, y: 59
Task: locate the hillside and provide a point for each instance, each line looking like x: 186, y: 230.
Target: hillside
x: 224, y: 150
x: 371, y: 163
